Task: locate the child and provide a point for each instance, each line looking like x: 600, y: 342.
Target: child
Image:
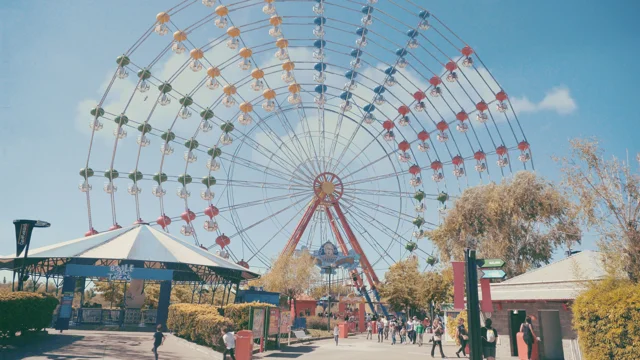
x: 336, y: 334
x: 229, y: 339
x: 369, y: 331
x: 403, y: 335
x: 394, y: 331
x: 158, y: 339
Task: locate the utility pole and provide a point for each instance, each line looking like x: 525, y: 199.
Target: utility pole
x: 473, y: 308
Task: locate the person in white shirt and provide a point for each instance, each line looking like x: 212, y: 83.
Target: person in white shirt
x: 385, y: 324
x: 409, y: 331
x: 336, y: 333
x: 369, y: 331
x: 415, y: 325
x: 229, y: 339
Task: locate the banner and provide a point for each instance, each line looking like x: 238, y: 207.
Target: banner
x: 24, y: 229
x: 274, y: 321
x: 285, y: 322
x: 458, y: 285
x: 258, y: 323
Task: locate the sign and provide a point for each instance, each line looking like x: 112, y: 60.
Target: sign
x: 285, y: 322
x: 491, y: 274
x: 490, y: 263
x: 105, y: 271
x: 328, y: 256
x: 66, y: 305
x: 274, y: 321
x: 258, y: 323
x: 120, y: 272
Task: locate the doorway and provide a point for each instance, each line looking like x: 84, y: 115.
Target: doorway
x: 516, y: 318
x: 551, y: 334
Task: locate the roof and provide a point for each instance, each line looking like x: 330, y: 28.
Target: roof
x: 137, y: 242
x: 561, y: 280
x: 304, y: 297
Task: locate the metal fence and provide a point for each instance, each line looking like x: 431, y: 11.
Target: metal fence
x: 113, y: 317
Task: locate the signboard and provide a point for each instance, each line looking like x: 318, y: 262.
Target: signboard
x: 274, y: 321
x: 66, y: 305
x: 329, y: 257
x: 491, y: 274
x: 490, y: 263
x: 258, y: 323
x: 24, y: 229
x: 285, y: 322
x: 120, y: 272
x: 124, y: 272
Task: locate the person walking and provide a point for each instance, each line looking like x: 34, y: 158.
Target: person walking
x: 438, y: 331
x: 229, y: 339
x: 415, y: 332
x: 385, y: 324
x: 380, y: 326
x: 158, y: 340
x: 527, y: 329
x: 409, y: 331
x: 489, y: 339
x: 369, y: 331
x: 403, y: 335
x: 336, y: 333
x: 463, y: 337
x: 393, y: 327
x: 420, y: 332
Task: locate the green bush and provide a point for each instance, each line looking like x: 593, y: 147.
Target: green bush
x: 23, y: 311
x: 606, y: 318
x: 240, y: 313
x: 202, y: 323
x: 317, y: 323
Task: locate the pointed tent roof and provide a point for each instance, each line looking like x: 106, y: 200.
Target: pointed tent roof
x: 136, y: 243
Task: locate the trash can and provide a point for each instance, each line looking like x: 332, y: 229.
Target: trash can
x: 244, y: 345
x: 344, y: 330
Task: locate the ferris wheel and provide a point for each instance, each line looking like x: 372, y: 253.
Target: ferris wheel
x: 294, y: 124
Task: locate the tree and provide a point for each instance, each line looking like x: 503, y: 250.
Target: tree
x: 111, y: 291
x: 404, y: 287
x: 521, y: 220
x: 290, y: 275
x: 336, y: 290
x: 608, y: 196
x: 438, y: 287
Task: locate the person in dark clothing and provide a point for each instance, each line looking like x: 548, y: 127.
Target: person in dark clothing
x: 489, y: 339
x: 158, y: 339
x: 461, y: 335
x: 527, y: 329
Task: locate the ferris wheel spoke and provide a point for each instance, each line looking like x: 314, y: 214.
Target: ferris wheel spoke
x: 262, y: 185
x: 377, y: 177
x: 245, y: 229
x: 387, y: 210
x: 370, y: 239
x: 307, y: 193
x: 280, y: 231
x: 256, y: 167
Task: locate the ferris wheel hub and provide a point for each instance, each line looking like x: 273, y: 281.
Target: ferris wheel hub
x: 328, y: 187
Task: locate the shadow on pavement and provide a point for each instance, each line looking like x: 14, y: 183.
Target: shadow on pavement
x: 40, y: 345
x: 292, y: 352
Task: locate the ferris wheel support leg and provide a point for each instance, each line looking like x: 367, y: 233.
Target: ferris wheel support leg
x: 364, y: 262
x: 357, y: 281
x: 302, y: 225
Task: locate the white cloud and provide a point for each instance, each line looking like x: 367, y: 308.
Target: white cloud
x: 557, y: 99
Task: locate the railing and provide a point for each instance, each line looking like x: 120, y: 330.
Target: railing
x: 113, y: 317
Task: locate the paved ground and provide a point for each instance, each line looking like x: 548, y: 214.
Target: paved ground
x: 85, y: 344
x: 355, y: 348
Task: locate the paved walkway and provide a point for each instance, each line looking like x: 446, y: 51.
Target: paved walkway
x: 85, y: 344
x: 356, y: 347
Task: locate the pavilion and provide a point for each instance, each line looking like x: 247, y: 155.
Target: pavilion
x: 135, y: 252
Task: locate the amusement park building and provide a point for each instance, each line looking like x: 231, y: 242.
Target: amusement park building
x: 547, y: 294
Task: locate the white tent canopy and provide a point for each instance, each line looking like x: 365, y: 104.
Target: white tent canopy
x: 135, y: 243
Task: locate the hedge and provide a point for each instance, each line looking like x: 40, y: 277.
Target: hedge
x: 202, y: 323
x: 239, y: 313
x: 23, y: 311
x: 453, y: 325
x: 606, y: 318
x: 317, y: 323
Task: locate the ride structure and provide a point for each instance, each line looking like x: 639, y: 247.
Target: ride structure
x: 328, y: 114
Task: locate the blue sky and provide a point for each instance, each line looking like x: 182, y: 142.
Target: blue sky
x: 568, y: 67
